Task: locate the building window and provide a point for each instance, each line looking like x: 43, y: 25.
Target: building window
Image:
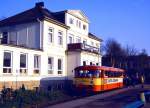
x: 84, y: 41
x: 97, y: 64
x: 71, y: 21
x: 79, y: 24
x: 84, y: 27
x: 92, y: 43
x: 70, y: 39
x: 4, y: 38
x: 50, y: 65
x: 91, y: 63
x: 36, y: 64
x: 97, y: 45
x: 84, y: 63
x: 60, y: 69
x: 7, y: 62
x: 60, y: 38
x: 23, y: 63
x: 78, y: 40
x: 50, y: 35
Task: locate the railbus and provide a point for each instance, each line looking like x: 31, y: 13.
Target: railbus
x: 98, y: 78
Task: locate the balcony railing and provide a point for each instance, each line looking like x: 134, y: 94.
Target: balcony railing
x: 84, y: 47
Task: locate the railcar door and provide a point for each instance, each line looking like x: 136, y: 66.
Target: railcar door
x: 102, y: 80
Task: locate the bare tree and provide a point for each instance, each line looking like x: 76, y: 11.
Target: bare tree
x: 130, y: 51
x: 114, y: 51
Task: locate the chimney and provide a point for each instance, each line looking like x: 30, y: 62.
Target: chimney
x: 39, y: 4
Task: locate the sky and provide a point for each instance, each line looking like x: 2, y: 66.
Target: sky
x: 127, y: 21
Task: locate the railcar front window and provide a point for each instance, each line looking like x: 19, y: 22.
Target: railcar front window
x: 88, y: 74
x: 96, y: 74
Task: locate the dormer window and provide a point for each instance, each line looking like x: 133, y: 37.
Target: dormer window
x: 1, y: 37
x: 4, y: 38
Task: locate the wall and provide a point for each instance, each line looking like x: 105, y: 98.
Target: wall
x: 10, y: 79
x: 73, y: 60
x: 90, y: 57
x: 54, y: 49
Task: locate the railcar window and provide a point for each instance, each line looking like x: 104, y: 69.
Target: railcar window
x: 88, y: 74
x: 106, y: 74
x: 119, y: 74
x: 96, y: 74
x: 115, y: 74
x: 80, y: 73
x: 85, y: 73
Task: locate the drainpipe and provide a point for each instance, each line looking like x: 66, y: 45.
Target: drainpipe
x: 41, y: 35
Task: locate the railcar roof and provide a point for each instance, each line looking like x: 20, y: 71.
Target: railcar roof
x: 104, y: 68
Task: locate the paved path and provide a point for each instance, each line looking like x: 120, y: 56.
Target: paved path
x: 111, y: 99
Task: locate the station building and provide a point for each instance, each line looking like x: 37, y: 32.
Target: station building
x: 39, y: 48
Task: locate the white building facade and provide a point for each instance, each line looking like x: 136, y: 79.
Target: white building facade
x: 39, y: 48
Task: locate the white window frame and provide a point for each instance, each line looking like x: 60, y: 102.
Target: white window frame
x: 85, y: 41
x: 60, y: 36
x: 78, y: 39
x: 50, y: 66
x: 50, y: 35
x: 97, y: 45
x: 23, y: 70
x: 86, y: 62
x: 37, y: 68
x: 92, y: 43
x: 71, y: 21
x: 11, y: 63
x: 60, y: 71
x: 70, y: 39
x: 70, y: 36
x: 84, y: 27
x: 79, y: 24
x: 6, y: 36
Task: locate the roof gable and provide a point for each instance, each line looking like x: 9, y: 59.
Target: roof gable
x: 79, y: 14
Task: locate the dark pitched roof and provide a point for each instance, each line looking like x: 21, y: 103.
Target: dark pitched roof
x: 60, y: 16
x: 94, y: 37
x: 38, y: 12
